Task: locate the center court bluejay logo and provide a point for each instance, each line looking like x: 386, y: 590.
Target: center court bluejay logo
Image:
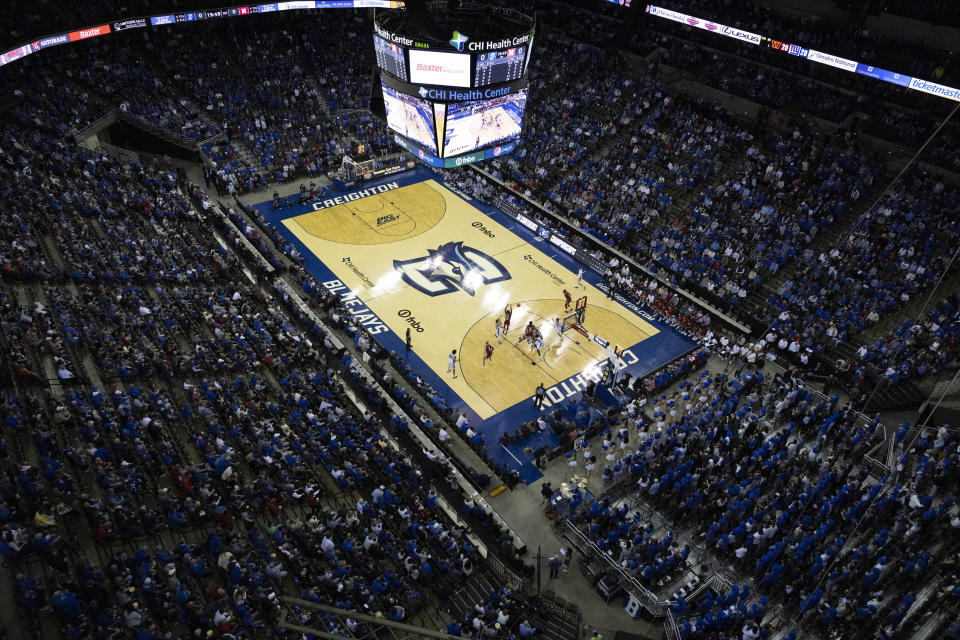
x: 459, y: 40
x: 451, y: 267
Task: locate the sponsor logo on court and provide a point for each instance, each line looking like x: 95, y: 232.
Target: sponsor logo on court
x: 451, y: 267
x: 382, y: 220
x: 360, y: 274
x: 355, y: 195
x: 529, y: 258
x: 410, y: 319
x: 482, y: 229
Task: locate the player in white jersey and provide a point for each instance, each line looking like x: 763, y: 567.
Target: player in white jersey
x: 558, y: 327
x: 538, y: 345
x: 498, y: 331
x: 580, y: 279
x: 452, y: 363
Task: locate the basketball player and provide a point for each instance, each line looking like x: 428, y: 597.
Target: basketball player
x: 538, y: 345
x: 507, y: 312
x: 567, y: 298
x: 529, y: 333
x: 558, y: 327
x: 487, y: 354
x: 452, y: 363
x: 580, y: 278
x: 498, y: 331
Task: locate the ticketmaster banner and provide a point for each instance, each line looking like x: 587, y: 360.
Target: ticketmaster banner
x: 935, y: 89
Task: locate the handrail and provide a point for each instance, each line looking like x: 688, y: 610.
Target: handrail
x: 670, y: 628
x: 874, y: 465
x: 360, y: 617
x: 646, y: 597
x: 116, y: 115
x: 171, y: 136
x: 508, y: 575
x: 100, y: 123
x: 118, y: 153
x: 219, y: 211
x: 210, y: 139
x: 654, y: 605
x: 284, y: 286
x: 891, y: 455
x: 597, y: 243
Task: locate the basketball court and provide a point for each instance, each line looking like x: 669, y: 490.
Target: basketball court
x: 411, y: 253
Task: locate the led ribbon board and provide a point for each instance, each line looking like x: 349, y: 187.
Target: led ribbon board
x: 819, y: 57
x: 140, y: 22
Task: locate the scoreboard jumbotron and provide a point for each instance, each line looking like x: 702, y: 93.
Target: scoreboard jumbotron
x: 451, y: 83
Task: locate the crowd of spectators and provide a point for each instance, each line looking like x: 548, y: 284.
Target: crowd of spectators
x: 788, y: 197
x: 397, y: 383
x: 772, y: 478
x: 826, y: 92
x: 653, y: 184
x: 191, y: 433
x: 889, y: 255
x: 158, y: 393
x: 920, y: 348
x: 737, y: 75
x: 834, y: 181
x: 256, y: 85
x: 672, y: 146
x: 267, y: 100
x: 934, y: 11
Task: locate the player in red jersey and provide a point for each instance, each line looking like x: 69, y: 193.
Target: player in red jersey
x: 487, y: 355
x: 528, y: 333
x: 507, y: 312
x: 567, y: 298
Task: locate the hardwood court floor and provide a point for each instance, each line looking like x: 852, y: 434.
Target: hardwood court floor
x: 378, y: 219
x: 420, y: 254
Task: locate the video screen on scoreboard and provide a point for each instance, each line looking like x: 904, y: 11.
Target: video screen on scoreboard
x: 390, y: 58
x: 481, y: 123
x: 411, y: 117
x: 499, y: 66
x: 435, y: 67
